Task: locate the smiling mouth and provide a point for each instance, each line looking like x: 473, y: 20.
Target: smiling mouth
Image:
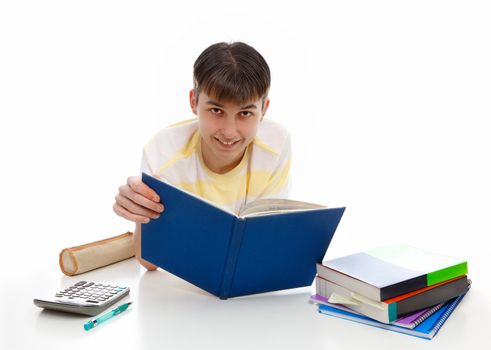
x: 227, y: 143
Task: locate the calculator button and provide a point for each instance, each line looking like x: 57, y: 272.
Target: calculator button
x: 93, y: 301
x: 81, y: 283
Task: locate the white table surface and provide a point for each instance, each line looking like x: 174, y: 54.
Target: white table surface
x: 172, y: 314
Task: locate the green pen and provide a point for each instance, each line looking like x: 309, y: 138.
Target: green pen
x: 93, y: 323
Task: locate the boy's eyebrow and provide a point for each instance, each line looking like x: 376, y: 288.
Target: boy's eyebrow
x: 251, y: 106
x: 211, y: 102
x: 215, y: 103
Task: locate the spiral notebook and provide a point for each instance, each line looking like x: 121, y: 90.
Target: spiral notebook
x: 416, y: 318
x: 426, y: 329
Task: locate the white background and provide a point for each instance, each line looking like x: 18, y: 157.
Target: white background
x: 388, y: 104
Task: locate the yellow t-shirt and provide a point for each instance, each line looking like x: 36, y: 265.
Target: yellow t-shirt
x: 174, y: 154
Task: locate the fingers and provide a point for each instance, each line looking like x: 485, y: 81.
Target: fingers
x: 134, y: 208
x: 137, y: 185
x: 118, y: 209
x: 135, y: 197
x: 137, y: 202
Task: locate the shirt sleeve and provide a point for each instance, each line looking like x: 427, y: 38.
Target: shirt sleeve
x: 280, y: 181
x: 145, y: 164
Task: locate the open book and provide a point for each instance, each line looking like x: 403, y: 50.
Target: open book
x: 275, y: 206
x: 271, y: 245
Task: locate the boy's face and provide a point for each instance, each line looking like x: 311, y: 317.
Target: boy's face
x: 226, y: 129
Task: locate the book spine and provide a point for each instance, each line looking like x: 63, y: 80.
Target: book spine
x: 233, y: 253
x: 377, y: 310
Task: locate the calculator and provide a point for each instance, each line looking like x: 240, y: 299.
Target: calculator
x: 86, y: 298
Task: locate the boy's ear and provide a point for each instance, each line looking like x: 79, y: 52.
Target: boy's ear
x: 193, y: 101
x: 265, y: 108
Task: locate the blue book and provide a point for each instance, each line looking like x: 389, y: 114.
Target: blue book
x: 426, y: 329
x: 231, y: 255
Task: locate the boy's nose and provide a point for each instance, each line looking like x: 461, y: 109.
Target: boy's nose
x: 229, y: 128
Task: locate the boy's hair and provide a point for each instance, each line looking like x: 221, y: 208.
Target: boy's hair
x: 233, y: 72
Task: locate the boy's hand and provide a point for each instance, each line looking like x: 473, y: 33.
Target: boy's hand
x: 137, y: 202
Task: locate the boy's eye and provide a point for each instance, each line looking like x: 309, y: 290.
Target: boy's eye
x: 246, y: 114
x: 215, y: 110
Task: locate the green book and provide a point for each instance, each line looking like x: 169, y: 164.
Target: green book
x: 390, y: 271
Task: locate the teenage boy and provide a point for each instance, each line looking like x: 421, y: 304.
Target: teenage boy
x: 229, y: 154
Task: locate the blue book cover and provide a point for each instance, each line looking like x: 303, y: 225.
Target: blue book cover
x: 228, y: 255
x: 426, y: 329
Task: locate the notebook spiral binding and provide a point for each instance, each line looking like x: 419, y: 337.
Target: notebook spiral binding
x: 447, y: 314
x: 427, y: 314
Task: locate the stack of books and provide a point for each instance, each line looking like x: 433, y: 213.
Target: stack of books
x: 398, y: 287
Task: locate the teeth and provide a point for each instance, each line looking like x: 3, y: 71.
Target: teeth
x: 227, y: 143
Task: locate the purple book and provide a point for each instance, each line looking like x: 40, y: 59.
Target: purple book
x: 412, y: 320
x: 408, y: 321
